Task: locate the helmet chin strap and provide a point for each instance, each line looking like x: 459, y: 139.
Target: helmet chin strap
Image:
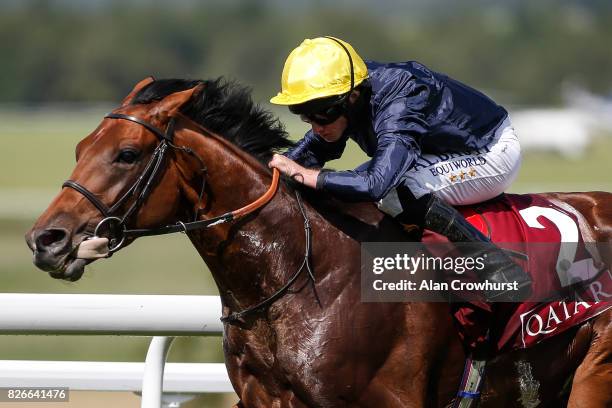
x: 346, y: 100
x: 359, y: 115
x: 353, y: 111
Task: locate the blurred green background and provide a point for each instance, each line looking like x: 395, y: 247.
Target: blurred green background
x: 63, y: 64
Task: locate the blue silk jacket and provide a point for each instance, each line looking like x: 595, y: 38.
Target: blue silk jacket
x: 413, y: 110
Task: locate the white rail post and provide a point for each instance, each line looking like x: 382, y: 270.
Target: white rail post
x: 153, y: 379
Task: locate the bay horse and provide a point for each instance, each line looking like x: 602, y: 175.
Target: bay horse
x: 296, y: 333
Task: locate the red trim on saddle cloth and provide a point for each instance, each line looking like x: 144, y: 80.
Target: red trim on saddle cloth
x: 516, y: 219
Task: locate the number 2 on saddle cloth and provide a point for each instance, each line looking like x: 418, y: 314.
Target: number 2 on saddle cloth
x: 570, y: 282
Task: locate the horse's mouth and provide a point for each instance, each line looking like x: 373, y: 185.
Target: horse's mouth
x: 66, y: 267
x: 72, y: 269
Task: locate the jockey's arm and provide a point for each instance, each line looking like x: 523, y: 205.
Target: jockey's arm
x: 313, y: 151
x: 395, y: 154
x: 304, y: 160
x: 399, y: 124
x: 292, y: 169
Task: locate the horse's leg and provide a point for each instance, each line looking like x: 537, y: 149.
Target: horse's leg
x: 424, y: 367
x: 593, y: 378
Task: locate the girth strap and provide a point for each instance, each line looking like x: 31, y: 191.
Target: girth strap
x: 471, y: 383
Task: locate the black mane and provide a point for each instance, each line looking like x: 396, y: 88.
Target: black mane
x: 226, y: 108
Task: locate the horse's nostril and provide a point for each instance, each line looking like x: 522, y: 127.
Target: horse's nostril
x: 50, y: 237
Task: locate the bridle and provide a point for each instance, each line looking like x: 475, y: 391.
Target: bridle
x: 142, y: 187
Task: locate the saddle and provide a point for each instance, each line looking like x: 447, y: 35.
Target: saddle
x: 551, y: 241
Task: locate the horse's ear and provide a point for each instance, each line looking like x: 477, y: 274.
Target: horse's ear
x: 137, y: 89
x: 168, y: 106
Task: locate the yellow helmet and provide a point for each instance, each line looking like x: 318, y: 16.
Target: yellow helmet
x: 319, y: 68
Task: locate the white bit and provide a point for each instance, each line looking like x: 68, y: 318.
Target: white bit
x: 93, y: 248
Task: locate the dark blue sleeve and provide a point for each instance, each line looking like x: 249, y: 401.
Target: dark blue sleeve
x: 393, y: 158
x: 399, y: 122
x: 314, y: 151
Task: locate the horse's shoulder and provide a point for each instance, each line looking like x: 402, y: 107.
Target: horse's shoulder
x: 328, y: 205
x: 361, y: 221
x: 367, y: 213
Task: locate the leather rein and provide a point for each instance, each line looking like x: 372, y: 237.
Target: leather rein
x: 142, y: 187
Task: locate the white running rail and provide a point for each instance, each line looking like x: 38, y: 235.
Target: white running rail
x: 161, y: 316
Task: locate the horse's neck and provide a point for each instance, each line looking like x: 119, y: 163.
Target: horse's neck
x: 252, y: 257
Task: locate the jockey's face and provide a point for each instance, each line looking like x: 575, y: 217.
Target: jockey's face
x: 331, y: 132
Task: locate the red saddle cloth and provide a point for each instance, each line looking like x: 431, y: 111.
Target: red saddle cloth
x: 535, y: 227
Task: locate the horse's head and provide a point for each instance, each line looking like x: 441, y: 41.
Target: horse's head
x: 121, y: 168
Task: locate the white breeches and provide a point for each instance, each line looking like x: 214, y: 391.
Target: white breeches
x: 463, y: 178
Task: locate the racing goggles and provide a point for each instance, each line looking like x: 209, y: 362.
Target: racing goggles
x: 321, y: 112
x: 324, y: 117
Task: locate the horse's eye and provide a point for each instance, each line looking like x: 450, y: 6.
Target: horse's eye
x: 128, y: 156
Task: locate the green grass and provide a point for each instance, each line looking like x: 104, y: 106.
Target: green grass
x: 547, y: 171
x: 38, y: 146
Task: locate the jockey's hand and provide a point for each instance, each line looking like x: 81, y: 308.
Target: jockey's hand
x: 291, y: 169
x: 285, y: 165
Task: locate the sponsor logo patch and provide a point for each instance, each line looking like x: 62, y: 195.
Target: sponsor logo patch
x: 553, y: 318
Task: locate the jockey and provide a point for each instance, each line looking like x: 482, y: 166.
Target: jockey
x: 434, y: 143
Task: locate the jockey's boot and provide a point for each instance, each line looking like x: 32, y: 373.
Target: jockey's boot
x: 443, y: 219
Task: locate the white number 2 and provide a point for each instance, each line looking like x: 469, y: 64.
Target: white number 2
x: 569, y: 236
